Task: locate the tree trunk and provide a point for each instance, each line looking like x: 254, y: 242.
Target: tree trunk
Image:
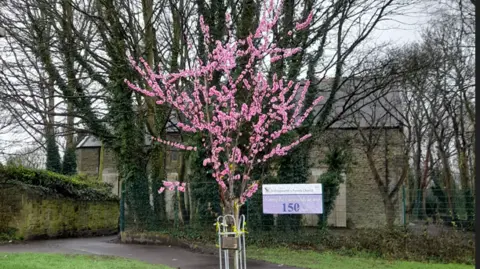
x: 158, y: 174
x: 390, y: 213
x: 424, y: 184
x: 68, y: 44
x: 53, y: 156
x: 231, y: 207
x: 418, y: 178
x: 424, y: 202
x: 192, y: 206
x: 447, y: 176
x: 101, y: 163
x: 129, y: 144
x: 183, y: 201
x: 464, y: 180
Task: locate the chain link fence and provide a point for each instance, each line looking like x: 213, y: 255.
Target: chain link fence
x: 196, y: 210
x: 444, y: 233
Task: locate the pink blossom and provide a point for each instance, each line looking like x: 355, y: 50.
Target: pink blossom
x: 175, y: 144
x: 250, y: 191
x: 303, y: 25
x: 167, y: 183
x: 172, y: 185
x: 274, y: 107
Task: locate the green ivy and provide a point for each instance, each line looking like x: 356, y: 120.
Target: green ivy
x: 53, y: 156
x: 77, y: 187
x: 204, y: 188
x: 337, y: 159
x: 69, y: 166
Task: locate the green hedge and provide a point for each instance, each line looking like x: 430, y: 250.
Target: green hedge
x: 77, y: 187
x: 396, y: 244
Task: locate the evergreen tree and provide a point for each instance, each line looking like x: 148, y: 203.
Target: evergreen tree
x: 69, y: 166
x: 337, y: 159
x: 53, y: 156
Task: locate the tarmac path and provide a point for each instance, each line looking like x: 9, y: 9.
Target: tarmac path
x: 175, y: 257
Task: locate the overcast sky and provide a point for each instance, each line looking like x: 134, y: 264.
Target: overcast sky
x: 397, y: 31
x: 406, y: 28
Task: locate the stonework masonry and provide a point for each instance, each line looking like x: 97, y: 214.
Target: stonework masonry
x: 364, y: 203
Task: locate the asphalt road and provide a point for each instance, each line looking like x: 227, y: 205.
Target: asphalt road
x: 172, y: 256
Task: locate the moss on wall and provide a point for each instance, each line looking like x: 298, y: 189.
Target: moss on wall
x: 28, y: 213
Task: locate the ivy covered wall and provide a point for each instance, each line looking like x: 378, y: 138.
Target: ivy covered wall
x: 39, y: 204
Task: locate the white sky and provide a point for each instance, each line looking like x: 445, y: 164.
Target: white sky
x: 405, y: 28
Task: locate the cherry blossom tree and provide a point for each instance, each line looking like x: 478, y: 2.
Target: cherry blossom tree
x: 271, y: 109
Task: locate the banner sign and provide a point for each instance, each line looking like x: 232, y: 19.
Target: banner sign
x: 292, y: 199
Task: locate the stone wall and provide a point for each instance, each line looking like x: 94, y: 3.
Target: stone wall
x: 87, y: 161
x: 29, y: 213
x: 364, y: 204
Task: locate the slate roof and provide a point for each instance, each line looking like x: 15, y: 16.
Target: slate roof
x: 91, y: 141
x: 356, y: 107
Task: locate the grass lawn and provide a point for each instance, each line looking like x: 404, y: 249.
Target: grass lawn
x: 328, y: 260
x: 67, y: 261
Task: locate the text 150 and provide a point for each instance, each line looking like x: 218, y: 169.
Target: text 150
x: 291, y: 207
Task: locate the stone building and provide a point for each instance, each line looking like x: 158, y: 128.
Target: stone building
x: 359, y: 203
x: 360, y: 109
x: 88, y: 161
x: 88, y: 153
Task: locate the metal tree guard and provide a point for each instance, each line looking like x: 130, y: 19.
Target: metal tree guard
x: 231, y: 241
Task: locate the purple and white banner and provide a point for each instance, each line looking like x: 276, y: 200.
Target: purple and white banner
x: 292, y: 199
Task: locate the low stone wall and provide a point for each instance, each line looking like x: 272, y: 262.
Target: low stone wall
x: 155, y: 238
x: 30, y: 213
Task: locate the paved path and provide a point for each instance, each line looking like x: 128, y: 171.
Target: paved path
x: 171, y: 256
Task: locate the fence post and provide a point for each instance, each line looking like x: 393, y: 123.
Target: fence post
x: 122, y: 206
x: 246, y: 205
x: 404, y: 207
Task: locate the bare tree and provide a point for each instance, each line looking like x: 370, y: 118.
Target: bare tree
x: 78, y: 53
x: 456, y: 83
x: 438, y: 72
x: 29, y: 157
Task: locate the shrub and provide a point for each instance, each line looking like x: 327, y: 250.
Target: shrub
x: 77, y: 187
x: 396, y: 244
x: 449, y: 246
